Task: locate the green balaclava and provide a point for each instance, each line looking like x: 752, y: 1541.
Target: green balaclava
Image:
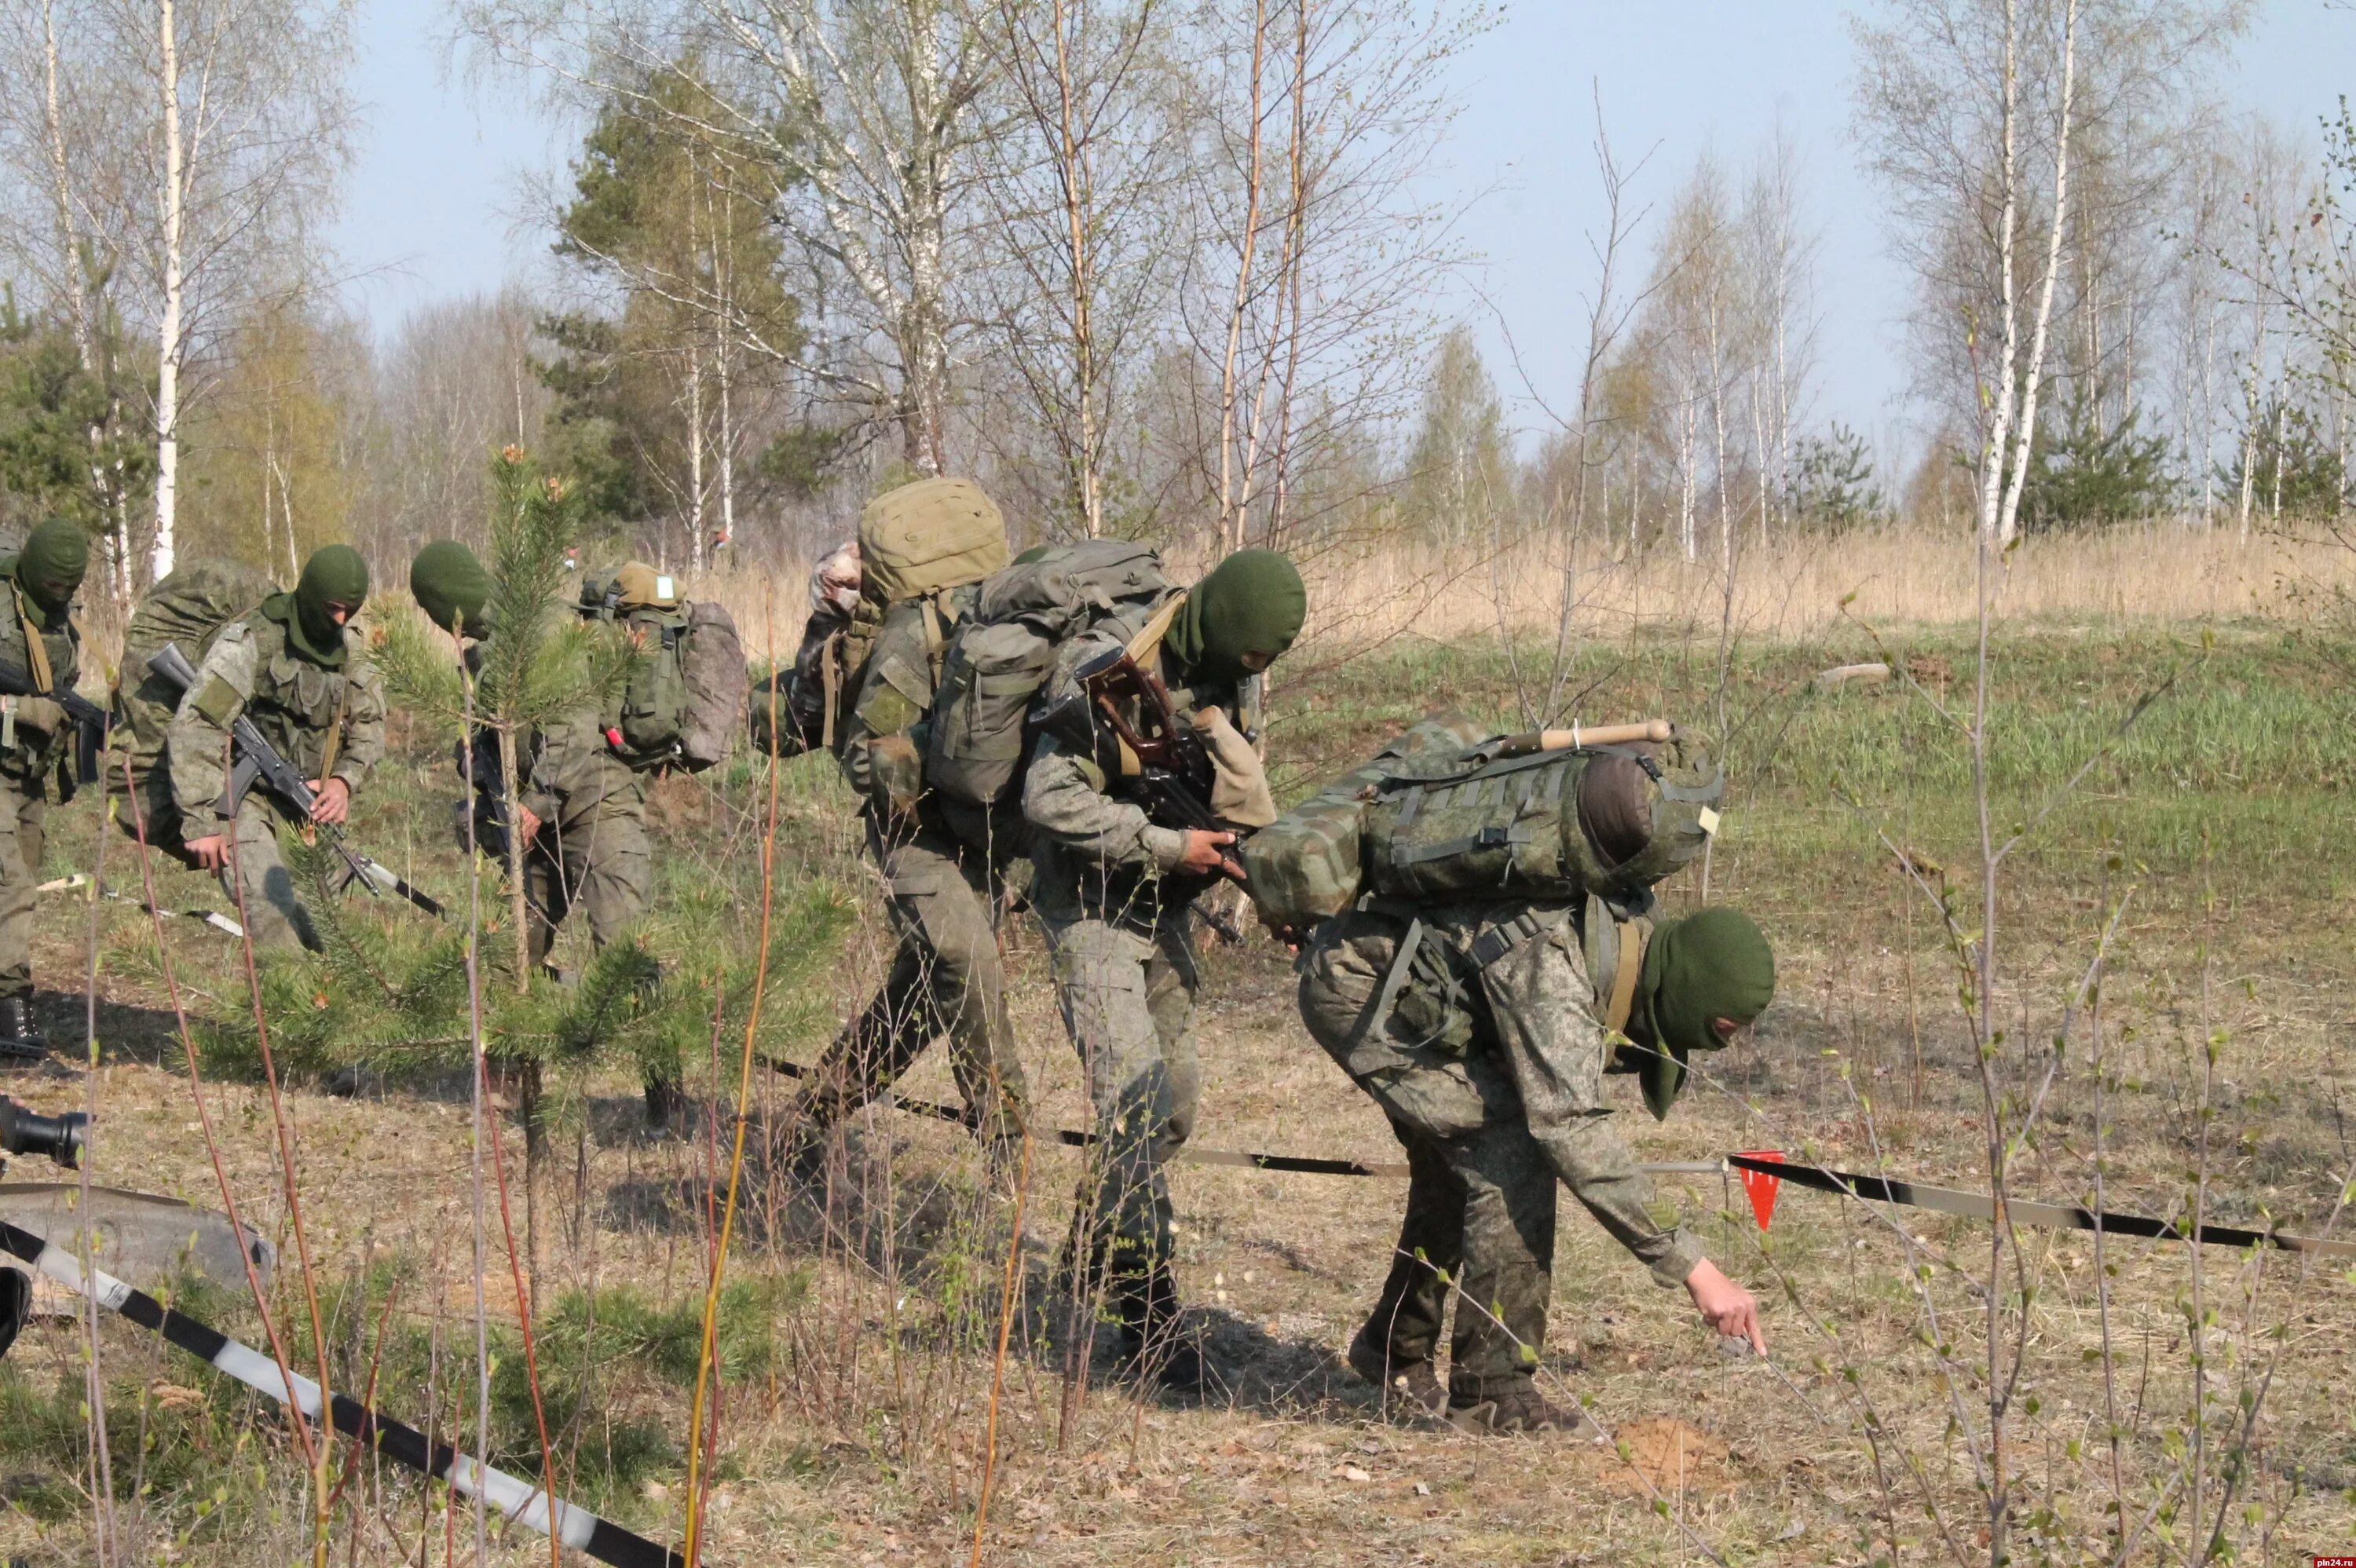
x: 451, y: 586
x: 1252, y: 603
x: 1714, y: 965
x: 49, y: 568
x: 334, y: 575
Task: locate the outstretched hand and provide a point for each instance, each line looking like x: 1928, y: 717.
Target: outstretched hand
x: 1725, y: 1305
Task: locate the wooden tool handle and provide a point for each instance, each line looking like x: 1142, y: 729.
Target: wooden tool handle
x: 1655, y: 729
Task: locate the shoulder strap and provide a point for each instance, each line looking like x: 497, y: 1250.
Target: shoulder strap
x: 830, y: 680
x: 335, y: 730
x: 1148, y: 640
x: 1632, y: 936
x: 37, y: 652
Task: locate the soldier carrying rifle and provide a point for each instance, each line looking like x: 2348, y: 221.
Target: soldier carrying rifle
x: 296, y: 669
x: 39, y: 658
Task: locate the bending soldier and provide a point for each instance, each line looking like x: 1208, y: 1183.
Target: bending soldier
x: 295, y: 668
x: 944, y: 861
x: 1486, y: 1044
x: 38, y: 640
x: 1113, y: 889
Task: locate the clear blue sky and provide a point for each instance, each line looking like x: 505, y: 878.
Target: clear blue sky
x: 432, y: 207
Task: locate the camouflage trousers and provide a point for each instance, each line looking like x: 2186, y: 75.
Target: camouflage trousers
x: 255, y: 877
x: 597, y: 859
x: 1480, y: 1221
x: 24, y: 808
x: 947, y: 979
x: 1128, y: 999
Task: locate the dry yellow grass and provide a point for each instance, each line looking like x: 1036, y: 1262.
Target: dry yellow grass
x: 1783, y: 590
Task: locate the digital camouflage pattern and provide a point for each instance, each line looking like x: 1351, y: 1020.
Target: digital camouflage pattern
x: 303, y: 709
x: 1124, y: 969
x: 1490, y: 1125
x: 1304, y: 865
x: 1486, y: 828
x: 944, y: 866
x: 189, y: 608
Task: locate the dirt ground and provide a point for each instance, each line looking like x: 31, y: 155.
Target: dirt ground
x: 857, y: 1430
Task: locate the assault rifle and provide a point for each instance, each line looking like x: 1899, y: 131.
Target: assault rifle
x: 1159, y: 759
x: 257, y: 762
x: 89, y: 721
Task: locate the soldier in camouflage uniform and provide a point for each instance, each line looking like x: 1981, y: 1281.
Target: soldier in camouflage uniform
x: 582, y: 807
x: 944, y: 863
x: 38, y: 640
x: 1112, y: 889
x: 305, y: 682
x: 1488, y: 1052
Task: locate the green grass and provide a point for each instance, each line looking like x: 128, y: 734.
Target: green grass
x: 2234, y: 772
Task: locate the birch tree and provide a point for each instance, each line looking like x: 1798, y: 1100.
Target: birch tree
x: 2019, y: 244
x: 1078, y: 196
x: 1318, y: 262
x: 860, y: 124
x: 248, y: 136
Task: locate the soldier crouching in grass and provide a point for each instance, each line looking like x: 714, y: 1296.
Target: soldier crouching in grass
x: 1488, y: 1054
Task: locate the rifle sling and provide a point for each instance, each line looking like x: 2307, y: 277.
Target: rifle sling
x: 37, y: 652
x: 335, y: 732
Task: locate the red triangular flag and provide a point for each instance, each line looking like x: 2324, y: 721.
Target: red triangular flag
x: 1760, y: 1187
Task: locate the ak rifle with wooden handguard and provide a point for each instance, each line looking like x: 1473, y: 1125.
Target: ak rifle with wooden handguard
x: 1158, y: 758
x: 256, y: 761
x: 89, y: 721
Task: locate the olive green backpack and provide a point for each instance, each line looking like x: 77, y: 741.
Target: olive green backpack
x: 1002, y: 658
x: 1606, y: 820
x: 1304, y: 866
x: 188, y: 607
x: 1436, y: 818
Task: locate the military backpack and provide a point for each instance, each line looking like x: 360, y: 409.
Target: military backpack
x: 685, y: 700
x: 1480, y: 823
x: 1002, y: 656
x: 190, y: 607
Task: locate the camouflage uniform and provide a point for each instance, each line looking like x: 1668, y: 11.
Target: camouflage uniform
x: 296, y: 704
x: 591, y: 849
x: 33, y: 735
x: 944, y: 866
x: 1124, y: 968
x: 1489, y: 1060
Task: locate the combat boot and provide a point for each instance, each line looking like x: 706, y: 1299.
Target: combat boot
x: 1516, y: 1409
x: 1409, y: 1389
x: 667, y: 1108
x: 1152, y: 1344
x: 21, y: 1040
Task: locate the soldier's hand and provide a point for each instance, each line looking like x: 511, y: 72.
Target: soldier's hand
x: 330, y: 802
x: 1288, y: 936
x: 1725, y: 1305
x: 529, y: 823
x: 1205, y: 851
x: 211, y: 851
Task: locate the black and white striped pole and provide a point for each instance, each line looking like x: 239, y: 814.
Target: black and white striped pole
x: 515, y: 1499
